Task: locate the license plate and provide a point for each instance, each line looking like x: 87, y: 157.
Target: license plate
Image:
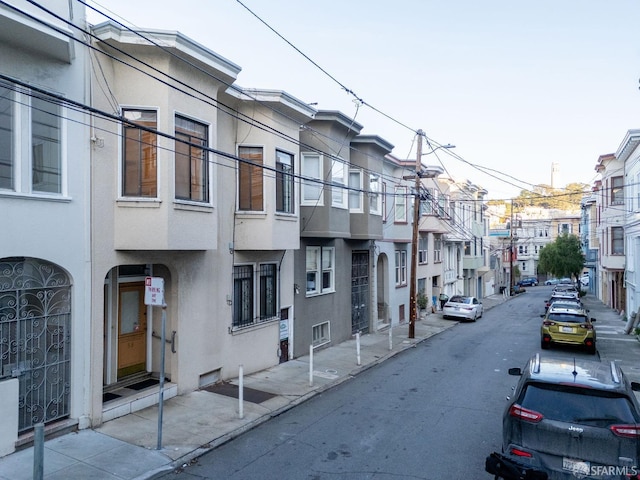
x: 566, y: 329
x: 576, y: 466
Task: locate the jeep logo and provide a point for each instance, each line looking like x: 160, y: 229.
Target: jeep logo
x: 576, y: 429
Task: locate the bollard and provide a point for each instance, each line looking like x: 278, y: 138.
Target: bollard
x: 390, y: 338
x: 358, y: 347
x: 38, y: 451
x: 241, y: 392
x: 311, y: 365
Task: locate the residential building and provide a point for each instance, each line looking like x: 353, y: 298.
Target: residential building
x: 629, y: 154
x: 453, y: 242
x: 45, y: 262
x: 469, y: 230
x: 192, y: 185
x: 610, y: 227
x: 393, y: 251
x: 589, y: 239
x: 340, y: 220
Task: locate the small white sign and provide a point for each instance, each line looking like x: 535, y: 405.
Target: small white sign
x: 154, y: 291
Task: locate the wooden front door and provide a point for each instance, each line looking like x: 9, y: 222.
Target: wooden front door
x: 132, y: 329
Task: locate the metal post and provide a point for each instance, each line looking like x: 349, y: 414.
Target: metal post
x: 390, y: 338
x: 241, y: 392
x: 38, y: 451
x: 311, y: 365
x: 358, y: 347
x: 413, y: 299
x: 163, y: 336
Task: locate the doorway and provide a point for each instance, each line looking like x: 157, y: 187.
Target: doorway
x: 360, y: 292
x: 132, y: 329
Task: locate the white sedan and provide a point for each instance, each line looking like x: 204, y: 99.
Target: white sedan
x: 465, y: 308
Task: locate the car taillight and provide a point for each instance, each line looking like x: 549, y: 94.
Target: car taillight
x: 520, y: 453
x: 628, y: 431
x: 525, y: 414
x: 588, y: 326
x: 548, y: 323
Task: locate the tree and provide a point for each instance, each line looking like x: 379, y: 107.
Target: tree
x: 562, y: 257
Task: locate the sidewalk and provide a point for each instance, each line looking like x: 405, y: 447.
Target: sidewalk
x: 199, y: 421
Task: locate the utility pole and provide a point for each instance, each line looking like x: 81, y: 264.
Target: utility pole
x: 511, y: 282
x: 413, y: 298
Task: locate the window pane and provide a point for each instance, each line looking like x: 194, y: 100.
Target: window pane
x: 6, y: 138
x: 374, y: 194
x: 242, y: 295
x: 284, y: 182
x: 267, y: 291
x: 311, y: 168
x: 250, y: 183
x: 45, y: 146
x: 355, y: 196
x: 140, y: 167
x: 191, y: 161
x: 337, y: 177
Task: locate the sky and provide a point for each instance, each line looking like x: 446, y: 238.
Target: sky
x: 515, y: 85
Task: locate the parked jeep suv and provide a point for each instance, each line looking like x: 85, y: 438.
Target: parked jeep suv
x: 570, y: 418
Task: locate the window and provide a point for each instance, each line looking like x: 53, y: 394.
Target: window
x: 268, y: 291
x: 45, y: 146
x: 355, y: 191
x: 467, y: 248
x: 320, y: 270
x: 564, y: 228
x: 338, y: 192
x: 244, y: 291
x: 139, y: 155
x: 321, y: 334
x: 40, y: 155
x: 250, y: 180
x: 312, y: 169
x: 426, y: 201
x: 374, y: 194
x: 6, y: 138
x: 401, y: 267
x: 384, y: 202
x: 637, y: 188
x: 617, y: 240
x: 437, y: 248
x: 524, y: 266
x: 242, y: 295
x: 192, y: 165
x: 284, y: 182
x: 400, y: 211
x: 423, y: 244
x: 617, y: 190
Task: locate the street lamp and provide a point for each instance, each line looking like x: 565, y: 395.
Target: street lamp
x: 428, y: 172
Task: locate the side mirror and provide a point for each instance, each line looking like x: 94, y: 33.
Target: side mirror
x: 515, y: 371
x: 542, y: 316
x: 635, y: 386
x: 592, y: 320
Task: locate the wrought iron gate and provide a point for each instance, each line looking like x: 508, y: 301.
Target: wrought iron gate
x: 35, y: 339
x: 360, y: 292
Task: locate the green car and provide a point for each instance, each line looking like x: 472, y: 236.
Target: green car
x: 563, y: 325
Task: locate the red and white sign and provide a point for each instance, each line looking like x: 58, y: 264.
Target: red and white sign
x: 154, y: 291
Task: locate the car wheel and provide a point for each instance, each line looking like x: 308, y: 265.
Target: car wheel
x: 592, y: 350
x: 544, y: 345
x: 475, y: 316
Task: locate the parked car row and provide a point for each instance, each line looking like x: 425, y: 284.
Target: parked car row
x: 569, y: 419
x: 575, y: 419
